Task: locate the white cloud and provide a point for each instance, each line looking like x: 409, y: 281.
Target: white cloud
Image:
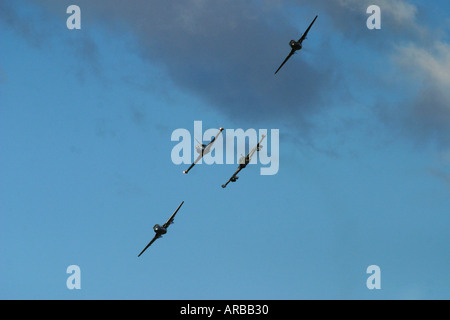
x: 431, y: 63
x: 428, y: 114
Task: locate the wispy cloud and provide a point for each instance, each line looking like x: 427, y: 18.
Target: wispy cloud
x: 426, y: 116
x: 421, y: 60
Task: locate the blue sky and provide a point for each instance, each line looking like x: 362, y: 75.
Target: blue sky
x: 86, y: 118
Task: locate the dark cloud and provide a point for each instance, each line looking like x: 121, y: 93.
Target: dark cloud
x: 225, y: 52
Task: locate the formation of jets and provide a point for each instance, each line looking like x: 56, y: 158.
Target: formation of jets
x: 203, y: 149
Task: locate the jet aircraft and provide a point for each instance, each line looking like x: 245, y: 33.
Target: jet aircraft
x: 296, y: 45
x: 244, y: 161
x: 203, y: 149
x: 160, y: 230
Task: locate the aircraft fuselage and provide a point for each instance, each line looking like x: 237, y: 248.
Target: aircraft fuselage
x: 203, y: 149
x: 159, y: 229
x: 295, y: 45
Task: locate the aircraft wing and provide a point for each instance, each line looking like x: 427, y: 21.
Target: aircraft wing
x: 251, y: 153
x: 214, y: 139
x: 150, y: 243
x: 195, y: 162
x: 172, y: 217
x: 287, y: 58
x: 306, y: 32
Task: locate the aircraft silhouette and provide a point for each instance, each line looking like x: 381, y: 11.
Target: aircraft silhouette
x: 160, y: 230
x: 244, y: 161
x: 296, y: 45
x: 203, y: 149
